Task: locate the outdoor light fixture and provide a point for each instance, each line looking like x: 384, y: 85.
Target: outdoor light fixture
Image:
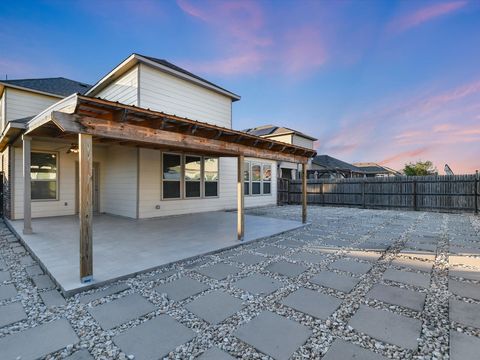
x: 73, y: 149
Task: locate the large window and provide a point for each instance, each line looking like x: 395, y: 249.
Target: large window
x: 172, y: 175
x: 193, y: 176
x: 210, y: 176
x: 43, y: 171
x: 257, y: 179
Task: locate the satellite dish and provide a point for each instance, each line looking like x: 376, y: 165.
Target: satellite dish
x: 448, y: 171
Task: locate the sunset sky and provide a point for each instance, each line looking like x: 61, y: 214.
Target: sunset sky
x: 380, y: 81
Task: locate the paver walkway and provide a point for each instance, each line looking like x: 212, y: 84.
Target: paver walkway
x: 355, y: 284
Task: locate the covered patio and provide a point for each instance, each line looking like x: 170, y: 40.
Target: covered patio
x: 76, y: 252
x: 123, y: 247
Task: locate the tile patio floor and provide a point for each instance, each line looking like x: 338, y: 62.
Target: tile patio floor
x: 310, y: 293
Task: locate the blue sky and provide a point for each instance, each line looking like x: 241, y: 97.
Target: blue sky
x: 383, y: 81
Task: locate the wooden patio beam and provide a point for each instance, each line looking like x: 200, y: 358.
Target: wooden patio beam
x: 141, y: 134
x: 240, y: 198
x: 85, y: 162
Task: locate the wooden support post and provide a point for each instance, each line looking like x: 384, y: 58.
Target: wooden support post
x: 85, y: 163
x: 27, y: 185
x: 304, y: 193
x: 240, y: 198
x: 476, y: 191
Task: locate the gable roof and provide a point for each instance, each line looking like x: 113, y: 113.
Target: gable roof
x: 331, y: 163
x: 273, y: 130
x: 162, y: 65
x: 58, y: 86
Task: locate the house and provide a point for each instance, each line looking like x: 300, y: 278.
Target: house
x: 325, y: 166
x: 147, y: 140
x: 285, y: 170
x: 375, y: 170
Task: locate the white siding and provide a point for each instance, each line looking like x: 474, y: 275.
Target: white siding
x: 123, y: 90
x: 120, y: 179
x: 20, y: 104
x: 150, y: 190
x: 283, y: 138
x: 301, y: 141
x: 164, y: 92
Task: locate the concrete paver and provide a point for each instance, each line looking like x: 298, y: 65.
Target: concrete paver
x: 4, y: 276
x: 114, y: 289
x: 464, y: 289
x: 465, y: 273
x: 11, y: 313
x: 248, y: 259
x: 351, y: 266
x: 43, y: 282
x: 215, y: 353
x: 343, y: 350
x: 309, y: 257
x: 7, y: 291
x: 286, y: 268
x: 52, y: 298
x: 413, y: 264
x: 465, y: 313
x: 219, y: 271
x: 463, y: 346
x: 344, y: 283
x: 397, y: 296
x: 182, y: 288
x: 258, y: 284
x: 215, y: 306
x: 312, y: 303
x: 407, y: 277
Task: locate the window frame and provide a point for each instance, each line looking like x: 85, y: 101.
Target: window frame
x: 57, y: 178
x: 184, y: 178
x: 246, y: 183
x: 253, y: 163
x: 203, y: 177
x: 266, y: 181
x: 181, y: 180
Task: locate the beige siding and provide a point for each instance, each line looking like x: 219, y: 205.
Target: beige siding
x: 301, y: 141
x: 164, y: 92
x: 283, y: 138
x: 124, y: 89
x: 150, y: 190
x: 20, y: 104
x: 120, y: 178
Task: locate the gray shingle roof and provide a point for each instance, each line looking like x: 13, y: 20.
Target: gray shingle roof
x: 58, y: 86
x: 266, y: 130
x: 332, y: 163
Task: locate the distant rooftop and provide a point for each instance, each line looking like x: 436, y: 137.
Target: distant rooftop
x: 332, y: 163
x: 273, y: 130
x: 370, y: 167
x: 57, y: 86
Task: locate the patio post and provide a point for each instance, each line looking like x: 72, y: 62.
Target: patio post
x: 240, y: 198
x: 304, y: 193
x: 27, y: 185
x: 85, y: 163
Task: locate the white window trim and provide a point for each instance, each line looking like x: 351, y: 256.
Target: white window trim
x: 57, y: 179
x: 218, y: 177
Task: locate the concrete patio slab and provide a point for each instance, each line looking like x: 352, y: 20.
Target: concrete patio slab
x: 344, y: 283
x: 158, y: 242
x: 463, y: 346
x: 408, y: 277
x: 386, y: 326
x: 154, y: 338
x: 215, y: 306
x: 312, y: 303
x: 274, y: 335
x: 114, y: 289
x: 215, y: 353
x: 258, y: 284
x: 7, y: 292
x: 218, y: 271
x: 120, y: 311
x: 42, y: 340
x: 351, y: 266
x: 11, y: 313
x: 52, y: 298
x: 343, y: 350
x: 181, y: 289
x: 465, y: 313
x: 464, y: 289
x: 286, y: 268
x: 397, y: 296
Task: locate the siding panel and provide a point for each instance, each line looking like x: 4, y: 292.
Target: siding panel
x: 20, y: 104
x: 124, y: 89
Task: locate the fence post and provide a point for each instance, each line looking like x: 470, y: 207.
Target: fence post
x: 364, y: 184
x: 476, y: 192
x: 415, y: 195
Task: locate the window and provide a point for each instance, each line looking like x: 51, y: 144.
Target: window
x: 172, y: 166
x: 193, y: 168
x: 43, y: 172
x: 246, y: 178
x: 256, y: 179
x: 267, y: 179
x: 210, y: 176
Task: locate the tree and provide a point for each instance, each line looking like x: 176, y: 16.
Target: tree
x: 420, y: 168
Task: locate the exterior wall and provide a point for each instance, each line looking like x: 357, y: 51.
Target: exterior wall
x: 120, y: 181
x: 20, y: 103
x: 123, y: 90
x: 164, y: 92
x: 65, y: 204
x: 6, y: 182
x: 2, y: 110
x: 283, y: 138
x: 301, y: 141
x: 150, y: 189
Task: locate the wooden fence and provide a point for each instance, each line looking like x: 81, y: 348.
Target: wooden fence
x: 453, y: 193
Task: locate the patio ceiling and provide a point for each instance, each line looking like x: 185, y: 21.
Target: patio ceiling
x: 115, y: 123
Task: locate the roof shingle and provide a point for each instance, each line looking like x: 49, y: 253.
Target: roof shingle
x: 57, y: 86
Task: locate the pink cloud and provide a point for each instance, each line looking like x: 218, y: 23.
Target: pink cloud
x: 402, y: 156
x: 424, y: 14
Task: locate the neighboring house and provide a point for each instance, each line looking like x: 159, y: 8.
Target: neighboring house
x: 375, y: 170
x: 325, y: 166
x: 286, y: 170
x: 163, y: 144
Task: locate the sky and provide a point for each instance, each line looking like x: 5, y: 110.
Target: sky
x: 375, y: 81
